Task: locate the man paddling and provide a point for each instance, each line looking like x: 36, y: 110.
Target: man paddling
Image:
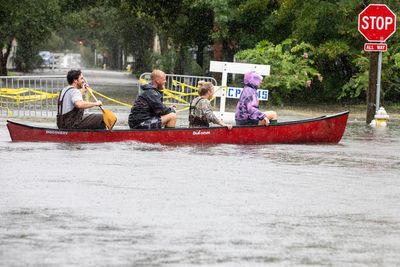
x: 70, y: 106
x: 149, y: 111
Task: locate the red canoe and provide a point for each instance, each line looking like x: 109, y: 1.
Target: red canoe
x: 324, y: 129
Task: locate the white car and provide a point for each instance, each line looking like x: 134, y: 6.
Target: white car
x: 47, y: 57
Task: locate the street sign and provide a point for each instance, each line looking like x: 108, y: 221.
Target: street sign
x: 239, y: 68
x: 373, y: 47
x: 377, y: 23
x: 235, y: 92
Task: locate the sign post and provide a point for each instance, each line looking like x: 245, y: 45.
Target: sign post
x: 377, y: 23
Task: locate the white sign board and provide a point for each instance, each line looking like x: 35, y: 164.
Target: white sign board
x: 375, y: 47
x: 239, y: 68
x: 234, y: 68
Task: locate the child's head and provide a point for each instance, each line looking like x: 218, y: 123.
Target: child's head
x: 204, y: 87
x: 252, y: 79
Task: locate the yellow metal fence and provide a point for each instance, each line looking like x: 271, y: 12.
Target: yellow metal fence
x: 36, y: 96
x: 31, y: 96
x: 179, y: 89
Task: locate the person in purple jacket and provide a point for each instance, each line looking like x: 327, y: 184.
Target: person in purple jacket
x: 247, y: 111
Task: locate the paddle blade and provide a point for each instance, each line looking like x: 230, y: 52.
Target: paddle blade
x: 109, y: 118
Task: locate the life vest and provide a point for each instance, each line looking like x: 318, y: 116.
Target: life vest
x: 70, y: 119
x: 196, y: 121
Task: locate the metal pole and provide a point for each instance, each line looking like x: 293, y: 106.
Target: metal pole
x: 224, y: 83
x: 123, y: 59
x: 378, y: 82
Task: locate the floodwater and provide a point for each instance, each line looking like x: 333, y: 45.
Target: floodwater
x: 133, y: 204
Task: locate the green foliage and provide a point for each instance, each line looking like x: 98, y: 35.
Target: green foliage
x: 316, y: 21
x: 302, y: 40
x: 30, y: 22
x: 137, y: 31
x: 290, y: 66
x: 164, y: 62
x: 391, y: 76
x: 250, y: 22
x: 334, y: 60
x: 169, y: 61
x: 358, y: 84
x: 53, y: 43
x: 332, y: 50
x: 396, y: 59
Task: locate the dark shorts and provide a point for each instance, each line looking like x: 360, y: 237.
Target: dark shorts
x: 247, y: 122
x: 153, y: 123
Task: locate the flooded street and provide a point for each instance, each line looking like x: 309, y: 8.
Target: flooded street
x: 323, y: 188
x: 132, y: 204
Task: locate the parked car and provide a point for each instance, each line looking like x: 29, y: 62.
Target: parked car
x: 47, y: 57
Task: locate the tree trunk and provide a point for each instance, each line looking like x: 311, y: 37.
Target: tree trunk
x: 218, y: 52
x: 179, y: 67
x: 3, y: 65
x: 115, y: 57
x: 200, y: 55
x: 3, y: 59
x: 163, y: 43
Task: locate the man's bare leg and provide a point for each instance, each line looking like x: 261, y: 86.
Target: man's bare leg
x: 169, y: 120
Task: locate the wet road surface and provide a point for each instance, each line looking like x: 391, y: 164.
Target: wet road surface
x: 132, y: 204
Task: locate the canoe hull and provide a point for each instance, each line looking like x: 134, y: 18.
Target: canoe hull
x: 325, y: 129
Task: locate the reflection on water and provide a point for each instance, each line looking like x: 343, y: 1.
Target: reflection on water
x: 133, y: 204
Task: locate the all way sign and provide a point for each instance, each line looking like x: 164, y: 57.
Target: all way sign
x: 375, y: 47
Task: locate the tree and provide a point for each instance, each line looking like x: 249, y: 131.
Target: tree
x: 29, y: 22
x: 291, y: 68
x: 251, y: 22
x: 330, y: 27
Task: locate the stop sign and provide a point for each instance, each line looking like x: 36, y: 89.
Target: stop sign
x: 377, y: 23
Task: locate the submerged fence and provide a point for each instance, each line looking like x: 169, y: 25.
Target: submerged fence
x: 179, y: 89
x: 36, y: 96
x: 30, y: 96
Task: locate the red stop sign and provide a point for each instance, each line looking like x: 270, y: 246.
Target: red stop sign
x: 377, y: 23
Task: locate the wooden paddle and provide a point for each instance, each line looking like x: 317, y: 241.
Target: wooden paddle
x: 109, y: 117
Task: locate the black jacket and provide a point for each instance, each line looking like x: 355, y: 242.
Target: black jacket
x: 147, y: 105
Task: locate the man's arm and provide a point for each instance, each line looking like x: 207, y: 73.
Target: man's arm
x: 155, y: 103
x: 84, y: 104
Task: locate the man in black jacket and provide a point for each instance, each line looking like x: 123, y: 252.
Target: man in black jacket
x: 149, y: 111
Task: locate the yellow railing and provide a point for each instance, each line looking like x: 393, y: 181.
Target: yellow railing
x: 26, y: 95
x: 23, y: 95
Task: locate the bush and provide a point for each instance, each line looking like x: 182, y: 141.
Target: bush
x: 291, y: 67
x: 390, y: 85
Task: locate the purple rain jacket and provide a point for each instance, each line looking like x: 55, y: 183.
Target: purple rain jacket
x: 247, y: 107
